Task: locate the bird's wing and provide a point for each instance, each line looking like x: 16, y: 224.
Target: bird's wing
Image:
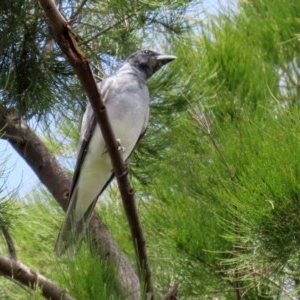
x: 88, y: 127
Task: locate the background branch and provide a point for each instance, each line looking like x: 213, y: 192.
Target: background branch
x: 19, y: 272
x: 58, y: 182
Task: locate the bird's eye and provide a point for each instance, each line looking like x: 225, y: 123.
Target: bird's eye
x: 147, y: 52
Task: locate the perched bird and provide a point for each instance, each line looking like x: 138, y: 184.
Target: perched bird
x: 126, y: 98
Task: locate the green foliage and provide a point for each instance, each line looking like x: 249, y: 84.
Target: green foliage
x: 84, y: 276
x: 224, y: 187
x: 96, y: 280
x: 218, y: 172
x: 28, y: 69
x: 37, y: 80
x: 39, y: 83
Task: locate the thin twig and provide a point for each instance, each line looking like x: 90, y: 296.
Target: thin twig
x: 204, y: 123
x: 77, y: 12
x: 10, y: 242
x: 67, y: 42
x: 172, y: 293
x: 106, y: 29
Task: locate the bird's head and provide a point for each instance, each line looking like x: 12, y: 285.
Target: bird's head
x: 148, y: 62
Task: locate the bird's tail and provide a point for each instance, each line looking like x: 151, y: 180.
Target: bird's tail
x: 73, y: 229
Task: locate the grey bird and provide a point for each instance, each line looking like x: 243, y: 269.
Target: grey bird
x: 126, y: 98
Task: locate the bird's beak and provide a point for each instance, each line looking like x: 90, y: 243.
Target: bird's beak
x: 165, y: 58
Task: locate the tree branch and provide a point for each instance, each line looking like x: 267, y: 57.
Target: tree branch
x: 19, y: 272
x: 58, y: 182
x: 34, y: 152
x: 67, y: 42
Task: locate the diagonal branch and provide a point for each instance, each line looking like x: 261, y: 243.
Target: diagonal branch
x: 58, y: 182
x: 19, y: 272
x: 67, y: 42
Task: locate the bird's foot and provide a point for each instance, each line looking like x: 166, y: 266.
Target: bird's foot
x: 120, y: 147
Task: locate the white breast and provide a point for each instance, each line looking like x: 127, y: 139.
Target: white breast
x: 127, y: 104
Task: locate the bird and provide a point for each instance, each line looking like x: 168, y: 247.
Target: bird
x: 127, y: 101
